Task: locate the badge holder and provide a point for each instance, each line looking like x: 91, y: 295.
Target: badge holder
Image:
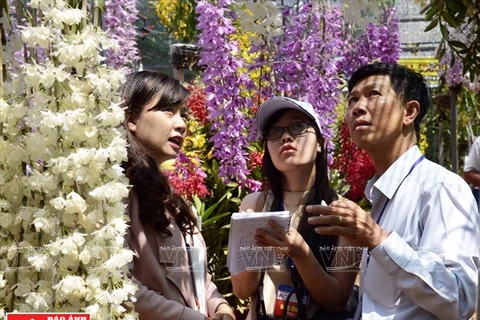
x: 260, y: 310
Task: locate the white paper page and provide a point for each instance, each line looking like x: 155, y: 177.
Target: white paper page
x: 243, y: 253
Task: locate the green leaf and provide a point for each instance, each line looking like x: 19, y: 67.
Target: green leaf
x: 472, y: 76
x: 208, y: 222
x: 457, y: 44
x: 211, y: 209
x: 452, y: 61
x: 198, y: 204
x: 434, y: 10
x: 236, y: 200
x: 445, y: 32
x: 215, y: 166
x: 450, y: 19
x: 100, y: 4
x: 442, y: 52
x: 467, y: 63
x: 232, y: 184
x: 432, y: 25
x: 455, y: 6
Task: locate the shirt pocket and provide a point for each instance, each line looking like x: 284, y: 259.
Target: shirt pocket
x: 379, y: 286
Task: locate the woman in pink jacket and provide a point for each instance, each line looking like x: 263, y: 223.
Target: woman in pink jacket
x: 170, y: 254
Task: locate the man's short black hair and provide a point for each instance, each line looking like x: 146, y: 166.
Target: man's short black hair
x: 408, y: 85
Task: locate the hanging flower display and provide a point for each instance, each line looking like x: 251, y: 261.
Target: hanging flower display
x: 284, y: 65
x: 379, y: 42
x: 62, y: 221
x: 227, y: 106
x: 119, y: 19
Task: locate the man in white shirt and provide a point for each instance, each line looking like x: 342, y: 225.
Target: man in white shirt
x: 471, y: 174
x: 471, y: 170
x: 421, y: 239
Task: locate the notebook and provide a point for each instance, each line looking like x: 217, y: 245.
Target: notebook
x: 243, y: 253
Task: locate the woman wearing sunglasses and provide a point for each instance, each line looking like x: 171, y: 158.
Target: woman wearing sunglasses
x: 318, y: 270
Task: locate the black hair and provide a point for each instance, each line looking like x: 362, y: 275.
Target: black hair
x: 408, y: 85
x: 155, y: 194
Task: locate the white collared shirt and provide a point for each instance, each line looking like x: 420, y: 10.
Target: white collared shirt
x: 427, y: 267
x: 472, y: 162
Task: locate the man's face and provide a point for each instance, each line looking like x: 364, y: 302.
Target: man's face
x: 375, y: 113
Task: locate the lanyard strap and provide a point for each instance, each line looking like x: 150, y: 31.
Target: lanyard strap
x: 298, y: 286
x: 388, y: 200
x: 299, y: 290
x: 260, y: 306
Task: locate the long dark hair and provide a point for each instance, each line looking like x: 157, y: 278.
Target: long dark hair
x: 321, y: 190
x: 155, y: 195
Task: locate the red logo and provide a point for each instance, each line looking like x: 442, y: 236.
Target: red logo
x: 48, y: 316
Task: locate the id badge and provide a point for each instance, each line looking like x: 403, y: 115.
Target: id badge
x: 292, y: 307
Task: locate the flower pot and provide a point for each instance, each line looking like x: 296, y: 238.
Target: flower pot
x: 185, y: 56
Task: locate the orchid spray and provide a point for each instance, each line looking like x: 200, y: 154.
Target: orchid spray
x: 379, y: 42
x: 293, y: 61
x: 119, y: 19
x: 228, y: 107
x: 451, y: 65
x: 62, y: 221
x: 304, y: 66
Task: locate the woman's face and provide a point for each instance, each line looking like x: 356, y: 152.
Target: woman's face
x: 161, y: 129
x: 292, y: 152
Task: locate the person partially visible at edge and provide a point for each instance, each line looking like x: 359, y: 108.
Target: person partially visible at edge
x: 471, y: 170
x: 471, y: 174
x: 173, y: 281
x: 422, y: 236
x: 295, y: 175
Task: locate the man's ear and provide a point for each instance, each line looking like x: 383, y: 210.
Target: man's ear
x: 412, y: 109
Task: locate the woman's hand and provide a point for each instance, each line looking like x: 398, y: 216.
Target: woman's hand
x: 224, y: 312
x: 291, y: 243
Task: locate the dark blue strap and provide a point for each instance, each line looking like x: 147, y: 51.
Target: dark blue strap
x: 388, y: 200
